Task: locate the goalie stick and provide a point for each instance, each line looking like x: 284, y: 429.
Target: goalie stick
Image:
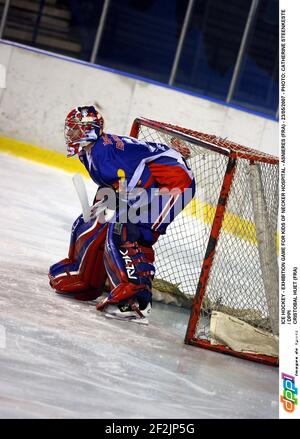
x: 82, y: 195
x: 99, y: 210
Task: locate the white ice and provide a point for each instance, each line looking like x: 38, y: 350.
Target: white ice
x: 62, y: 359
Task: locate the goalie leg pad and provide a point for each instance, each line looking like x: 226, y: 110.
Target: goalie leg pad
x: 83, y: 271
x: 129, y: 265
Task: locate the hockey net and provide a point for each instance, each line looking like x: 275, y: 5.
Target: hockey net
x: 219, y: 255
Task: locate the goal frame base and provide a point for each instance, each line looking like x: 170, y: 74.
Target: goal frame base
x: 262, y: 359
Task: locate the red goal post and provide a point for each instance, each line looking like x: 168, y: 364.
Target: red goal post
x: 228, y: 265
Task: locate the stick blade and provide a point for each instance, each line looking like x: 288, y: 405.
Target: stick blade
x: 82, y: 195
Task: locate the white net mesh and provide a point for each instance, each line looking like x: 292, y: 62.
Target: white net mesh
x: 242, y: 280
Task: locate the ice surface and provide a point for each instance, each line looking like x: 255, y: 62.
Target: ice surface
x: 63, y: 359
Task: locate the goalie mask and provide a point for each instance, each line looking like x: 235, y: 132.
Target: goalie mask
x: 82, y: 126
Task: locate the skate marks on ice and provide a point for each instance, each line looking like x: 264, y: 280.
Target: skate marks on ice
x: 118, y: 372
x: 62, y: 358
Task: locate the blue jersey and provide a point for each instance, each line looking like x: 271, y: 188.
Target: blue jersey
x: 114, y: 158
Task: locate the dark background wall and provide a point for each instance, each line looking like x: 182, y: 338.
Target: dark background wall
x: 141, y: 37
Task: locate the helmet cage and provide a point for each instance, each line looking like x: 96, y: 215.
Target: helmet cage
x: 82, y: 128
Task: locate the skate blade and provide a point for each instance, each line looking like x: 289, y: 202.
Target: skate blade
x: 144, y: 321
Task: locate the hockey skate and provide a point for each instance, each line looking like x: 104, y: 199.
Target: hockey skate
x: 128, y: 312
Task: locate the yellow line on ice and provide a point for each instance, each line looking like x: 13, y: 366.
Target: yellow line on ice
x: 232, y: 223
x: 41, y: 155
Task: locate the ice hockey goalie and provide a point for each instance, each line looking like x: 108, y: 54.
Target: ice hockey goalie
x: 148, y: 184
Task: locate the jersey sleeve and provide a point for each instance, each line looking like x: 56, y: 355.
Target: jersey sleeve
x: 170, y: 174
